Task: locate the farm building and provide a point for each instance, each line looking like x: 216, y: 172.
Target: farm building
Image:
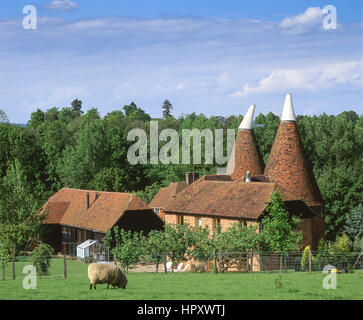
x: 243, y: 193
x: 74, y: 216
x: 166, y: 195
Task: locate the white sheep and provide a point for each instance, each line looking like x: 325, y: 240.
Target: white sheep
x: 99, y: 273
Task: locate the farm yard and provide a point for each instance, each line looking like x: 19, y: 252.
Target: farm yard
x: 179, y: 286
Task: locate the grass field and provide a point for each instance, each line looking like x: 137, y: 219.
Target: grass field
x: 194, y: 286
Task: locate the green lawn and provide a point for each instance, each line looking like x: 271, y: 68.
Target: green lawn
x: 181, y: 285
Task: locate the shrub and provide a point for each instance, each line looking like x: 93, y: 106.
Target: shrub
x: 305, y: 259
x: 41, y: 256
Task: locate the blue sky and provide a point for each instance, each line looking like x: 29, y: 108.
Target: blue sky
x: 212, y: 57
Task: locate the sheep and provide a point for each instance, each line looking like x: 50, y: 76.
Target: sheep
x: 99, y: 273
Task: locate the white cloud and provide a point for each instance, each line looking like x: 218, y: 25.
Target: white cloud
x: 304, y: 22
x: 180, y: 86
x: 224, y: 79
x: 62, y: 5
x: 56, y: 97
x: 322, y: 77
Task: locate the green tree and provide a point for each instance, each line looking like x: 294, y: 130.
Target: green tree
x: 149, y: 193
x: 5, y: 258
x: 3, y: 117
x: 13, y: 236
x: 179, y: 239
x: 354, y: 227
x: 17, y: 204
x: 204, y: 245
x: 279, y: 228
x: 126, y: 245
x: 156, y: 248
x: 242, y: 238
x: 341, y: 245
x: 77, y: 107
x: 167, y: 107
x: 134, y: 113
x: 41, y: 257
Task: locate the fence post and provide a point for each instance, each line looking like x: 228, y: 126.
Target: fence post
x: 215, y: 262
x: 65, y: 265
x: 251, y: 266
x: 13, y: 263
x: 309, y: 260
x: 114, y: 258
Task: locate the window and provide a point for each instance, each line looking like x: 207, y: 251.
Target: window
x: 198, y: 222
x: 216, y: 223
x: 180, y: 219
x: 243, y: 223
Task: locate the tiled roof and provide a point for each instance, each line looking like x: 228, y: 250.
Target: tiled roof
x: 223, y: 198
x: 69, y: 207
x: 289, y: 166
x: 245, y: 156
x: 165, y: 195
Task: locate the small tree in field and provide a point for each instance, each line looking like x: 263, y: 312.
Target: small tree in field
x: 41, y: 256
x: 5, y: 258
x: 242, y: 238
x: 156, y: 247
x: 12, y: 236
x: 128, y: 246
x: 179, y: 238
x: 203, y: 248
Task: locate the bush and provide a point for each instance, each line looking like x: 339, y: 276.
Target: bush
x: 41, y: 256
x: 305, y: 259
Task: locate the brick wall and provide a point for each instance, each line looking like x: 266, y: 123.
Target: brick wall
x: 206, y: 221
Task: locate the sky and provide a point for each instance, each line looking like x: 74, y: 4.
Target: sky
x: 212, y: 57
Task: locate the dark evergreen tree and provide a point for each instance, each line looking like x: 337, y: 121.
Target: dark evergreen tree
x: 77, y: 106
x: 167, y: 107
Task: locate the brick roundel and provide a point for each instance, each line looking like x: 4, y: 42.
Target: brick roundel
x: 289, y: 166
x: 246, y: 155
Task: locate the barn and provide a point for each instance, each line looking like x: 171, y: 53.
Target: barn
x: 74, y: 216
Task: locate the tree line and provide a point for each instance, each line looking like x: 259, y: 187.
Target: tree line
x: 71, y: 148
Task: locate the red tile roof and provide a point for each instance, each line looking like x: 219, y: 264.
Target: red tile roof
x: 165, y: 195
x: 223, y: 198
x: 289, y: 166
x: 69, y: 207
x: 245, y: 155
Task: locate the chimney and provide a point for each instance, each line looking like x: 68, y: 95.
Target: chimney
x: 248, y: 176
x: 245, y: 155
x: 190, y: 177
x: 288, y: 164
x: 87, y: 199
x: 195, y: 176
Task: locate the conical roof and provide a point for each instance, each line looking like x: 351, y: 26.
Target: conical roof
x: 288, y: 164
x: 245, y: 155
